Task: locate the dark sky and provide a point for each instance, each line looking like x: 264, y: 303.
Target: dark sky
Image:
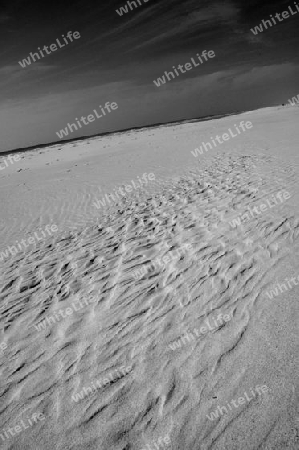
x: 118, y: 57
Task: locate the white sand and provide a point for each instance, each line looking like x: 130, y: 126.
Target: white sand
x: 132, y: 322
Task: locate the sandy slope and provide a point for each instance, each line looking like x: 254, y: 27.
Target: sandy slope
x: 131, y: 323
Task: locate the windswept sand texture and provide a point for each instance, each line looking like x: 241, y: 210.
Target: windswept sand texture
x: 132, y: 323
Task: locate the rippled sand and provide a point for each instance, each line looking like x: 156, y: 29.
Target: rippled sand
x: 130, y: 323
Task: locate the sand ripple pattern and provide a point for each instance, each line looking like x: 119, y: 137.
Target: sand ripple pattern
x: 133, y: 322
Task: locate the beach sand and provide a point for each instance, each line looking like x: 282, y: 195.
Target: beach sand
x: 131, y: 322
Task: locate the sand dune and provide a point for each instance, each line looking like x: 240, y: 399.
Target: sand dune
x: 122, y: 333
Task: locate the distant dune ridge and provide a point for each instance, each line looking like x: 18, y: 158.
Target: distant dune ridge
x: 170, y: 400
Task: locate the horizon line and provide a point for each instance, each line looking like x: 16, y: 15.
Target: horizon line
x: 123, y: 130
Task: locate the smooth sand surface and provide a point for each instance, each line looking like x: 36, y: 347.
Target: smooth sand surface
x: 130, y: 321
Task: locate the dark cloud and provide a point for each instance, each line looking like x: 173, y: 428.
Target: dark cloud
x: 118, y: 57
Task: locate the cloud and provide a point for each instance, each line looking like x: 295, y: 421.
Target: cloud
x: 217, y: 12
x: 239, y: 77
x: 183, y: 19
x: 10, y: 74
x: 262, y: 74
x: 16, y: 70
